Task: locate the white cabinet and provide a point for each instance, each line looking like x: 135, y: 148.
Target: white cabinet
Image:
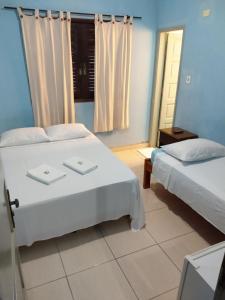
x: 200, y: 273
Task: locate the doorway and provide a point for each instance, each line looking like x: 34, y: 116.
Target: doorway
x: 167, y: 70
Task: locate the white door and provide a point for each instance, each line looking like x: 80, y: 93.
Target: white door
x: 6, y: 260
x: 10, y: 274
x: 171, y: 75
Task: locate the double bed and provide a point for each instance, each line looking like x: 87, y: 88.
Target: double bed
x: 75, y: 201
x: 199, y: 184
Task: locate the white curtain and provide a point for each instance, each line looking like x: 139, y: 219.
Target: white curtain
x: 113, y: 47
x: 47, y: 43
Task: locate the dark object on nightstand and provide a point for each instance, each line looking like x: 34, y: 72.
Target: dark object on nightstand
x: 174, y: 135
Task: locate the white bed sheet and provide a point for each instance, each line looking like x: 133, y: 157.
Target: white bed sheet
x: 201, y: 185
x: 75, y: 201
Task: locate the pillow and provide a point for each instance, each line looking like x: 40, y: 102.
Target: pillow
x: 67, y: 132
x: 195, y: 150
x: 23, y: 136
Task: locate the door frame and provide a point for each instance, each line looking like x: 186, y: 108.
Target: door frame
x: 156, y: 100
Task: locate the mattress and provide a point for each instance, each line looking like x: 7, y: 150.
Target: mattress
x: 201, y: 185
x: 75, y: 201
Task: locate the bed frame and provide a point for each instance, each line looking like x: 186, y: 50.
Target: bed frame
x: 147, y: 173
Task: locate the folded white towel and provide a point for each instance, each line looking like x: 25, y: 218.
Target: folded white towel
x: 45, y: 174
x: 80, y: 165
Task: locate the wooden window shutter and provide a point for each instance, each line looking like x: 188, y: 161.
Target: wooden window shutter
x: 83, y: 57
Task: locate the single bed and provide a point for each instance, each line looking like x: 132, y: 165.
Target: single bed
x: 75, y: 201
x: 201, y: 184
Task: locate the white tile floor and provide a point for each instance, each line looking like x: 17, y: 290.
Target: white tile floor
x: 109, y: 262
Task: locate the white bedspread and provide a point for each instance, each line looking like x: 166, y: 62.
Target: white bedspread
x: 201, y: 185
x: 75, y: 201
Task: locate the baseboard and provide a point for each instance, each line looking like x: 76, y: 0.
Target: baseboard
x: 128, y: 147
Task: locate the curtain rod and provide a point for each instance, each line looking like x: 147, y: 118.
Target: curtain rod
x: 75, y: 13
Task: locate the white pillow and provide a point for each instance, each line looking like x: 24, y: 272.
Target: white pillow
x: 195, y: 150
x: 23, y: 136
x: 66, y: 131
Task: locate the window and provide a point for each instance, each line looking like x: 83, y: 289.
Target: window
x: 83, y: 57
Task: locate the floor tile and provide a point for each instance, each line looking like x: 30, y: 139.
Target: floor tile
x: 122, y: 240
x: 151, y: 201
x: 41, y: 263
x: 134, y: 160
x: 188, y: 215
x: 105, y: 282
x: 130, y: 157
x: 157, y: 197
x: 164, y: 224
x: 56, y: 290
x: 83, y: 249
x: 150, y: 272
x: 139, y: 176
x: 206, y: 230
x: 137, y: 165
x: 164, y: 196
x: 178, y: 248
x: 172, y: 295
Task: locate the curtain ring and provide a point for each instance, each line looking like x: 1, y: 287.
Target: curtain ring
x: 131, y: 20
x: 20, y: 13
x: 96, y: 18
x: 68, y: 16
x: 113, y: 19
x: 49, y: 15
x: 36, y: 13
x: 101, y: 18
x: 61, y: 15
x: 125, y: 20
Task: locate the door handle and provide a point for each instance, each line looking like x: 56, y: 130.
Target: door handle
x: 10, y: 204
x: 15, y: 202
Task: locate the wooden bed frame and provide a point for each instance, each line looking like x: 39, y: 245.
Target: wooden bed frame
x: 147, y: 173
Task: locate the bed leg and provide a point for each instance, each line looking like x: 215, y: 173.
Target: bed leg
x: 147, y: 173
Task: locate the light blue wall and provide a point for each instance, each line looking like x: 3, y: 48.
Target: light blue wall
x: 15, y: 104
x: 201, y: 105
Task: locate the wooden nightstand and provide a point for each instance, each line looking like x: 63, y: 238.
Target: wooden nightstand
x: 173, y: 135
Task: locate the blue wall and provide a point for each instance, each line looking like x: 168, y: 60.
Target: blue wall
x: 16, y: 110
x: 201, y: 105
